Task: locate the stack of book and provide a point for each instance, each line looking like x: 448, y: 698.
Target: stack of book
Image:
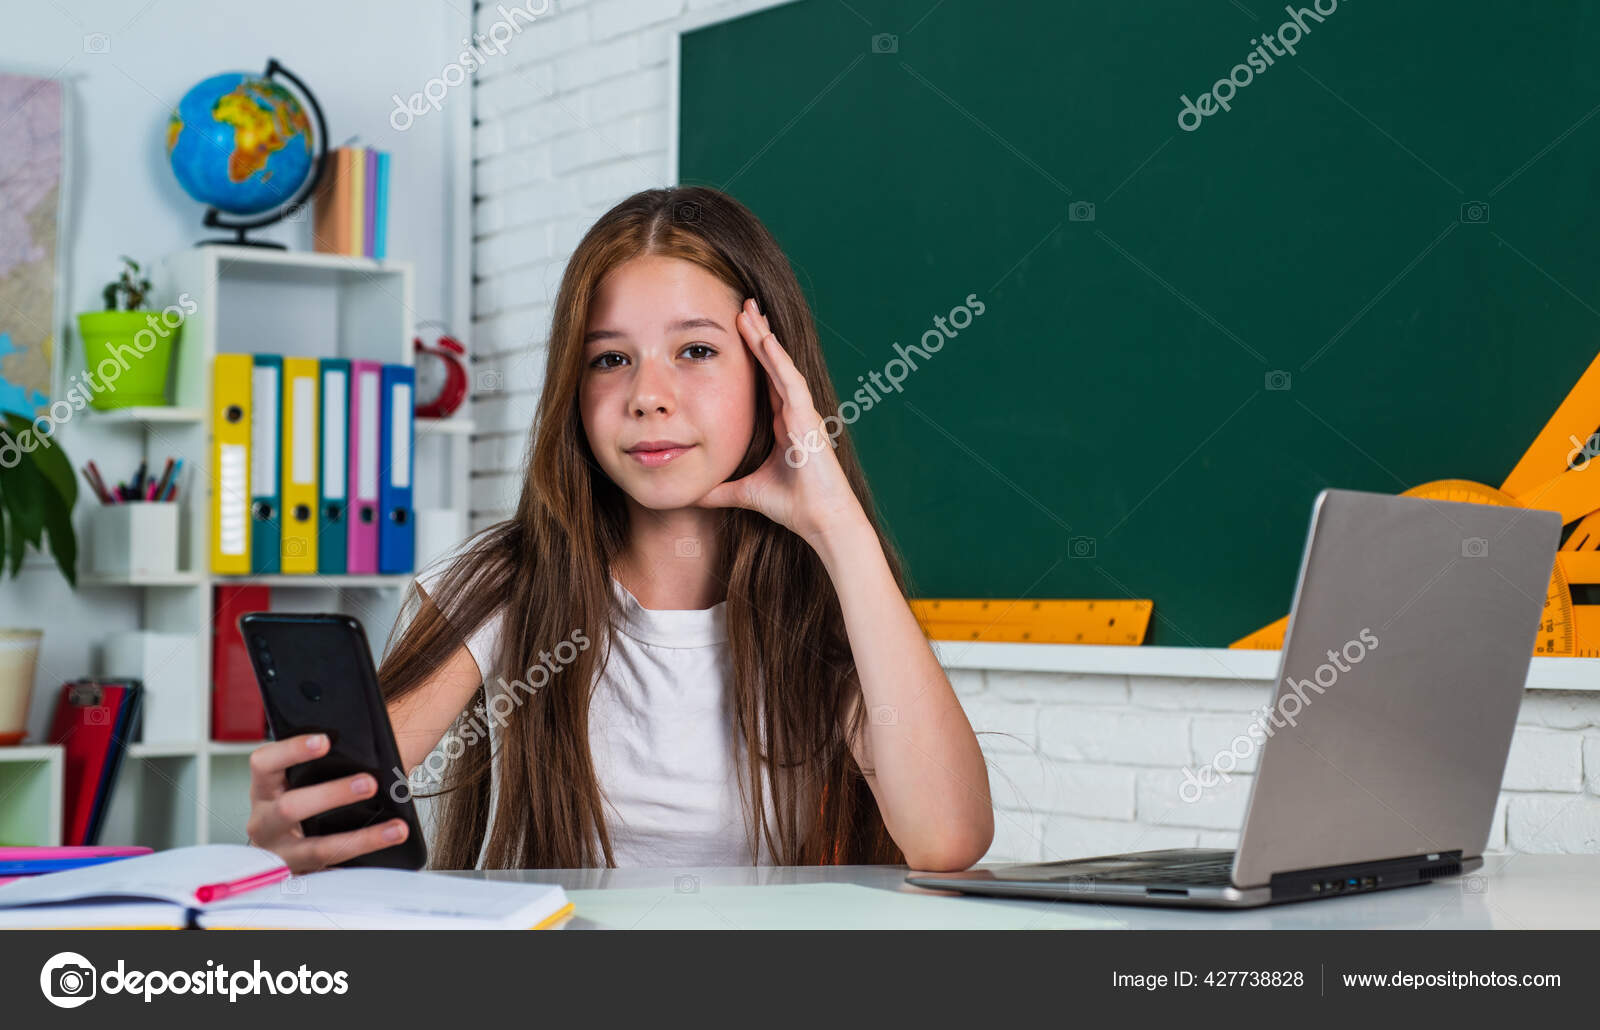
x: 231, y: 886
x: 352, y: 203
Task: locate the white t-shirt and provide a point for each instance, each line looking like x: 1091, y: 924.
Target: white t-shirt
x: 661, y: 733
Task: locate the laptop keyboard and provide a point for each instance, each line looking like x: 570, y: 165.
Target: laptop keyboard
x: 1209, y: 868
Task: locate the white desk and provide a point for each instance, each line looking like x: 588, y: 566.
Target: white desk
x: 1511, y: 892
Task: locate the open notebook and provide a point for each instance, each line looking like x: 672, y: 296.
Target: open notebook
x: 218, y: 886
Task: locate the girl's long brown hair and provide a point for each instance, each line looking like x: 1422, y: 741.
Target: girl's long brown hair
x: 549, y: 567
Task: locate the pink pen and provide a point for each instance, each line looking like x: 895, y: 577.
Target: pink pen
x: 218, y: 891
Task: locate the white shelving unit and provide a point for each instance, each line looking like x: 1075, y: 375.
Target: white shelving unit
x: 177, y: 792
x: 30, y: 795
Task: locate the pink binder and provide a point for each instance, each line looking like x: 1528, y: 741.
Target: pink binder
x: 366, y: 407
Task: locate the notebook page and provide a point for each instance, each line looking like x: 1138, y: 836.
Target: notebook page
x: 164, y: 876
x: 384, y: 898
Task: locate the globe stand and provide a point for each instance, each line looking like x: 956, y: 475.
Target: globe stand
x: 296, y: 204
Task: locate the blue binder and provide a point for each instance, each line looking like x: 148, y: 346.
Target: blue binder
x: 396, y: 523
x: 333, y: 480
x: 380, y: 208
x: 266, y: 489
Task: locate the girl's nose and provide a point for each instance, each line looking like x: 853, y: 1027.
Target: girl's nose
x: 652, y: 390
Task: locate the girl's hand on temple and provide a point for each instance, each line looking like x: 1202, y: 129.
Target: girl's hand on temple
x: 801, y: 485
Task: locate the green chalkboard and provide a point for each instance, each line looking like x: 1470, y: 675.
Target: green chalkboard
x: 1378, y: 267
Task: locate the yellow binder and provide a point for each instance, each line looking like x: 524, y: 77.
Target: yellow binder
x: 299, y: 464
x: 230, y: 462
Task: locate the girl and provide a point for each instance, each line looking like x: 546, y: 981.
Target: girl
x: 758, y: 690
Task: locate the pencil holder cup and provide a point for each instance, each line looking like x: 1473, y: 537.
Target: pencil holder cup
x: 138, y: 538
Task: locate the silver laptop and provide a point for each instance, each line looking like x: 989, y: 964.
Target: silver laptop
x: 1381, y: 756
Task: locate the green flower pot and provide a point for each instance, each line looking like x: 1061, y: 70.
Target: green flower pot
x: 138, y: 346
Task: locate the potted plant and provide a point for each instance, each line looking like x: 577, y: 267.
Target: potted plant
x: 37, y: 492
x: 127, y: 347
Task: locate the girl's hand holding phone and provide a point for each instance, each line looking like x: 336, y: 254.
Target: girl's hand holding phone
x: 801, y: 485
x: 276, y: 812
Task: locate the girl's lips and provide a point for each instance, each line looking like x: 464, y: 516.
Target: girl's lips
x: 655, y: 459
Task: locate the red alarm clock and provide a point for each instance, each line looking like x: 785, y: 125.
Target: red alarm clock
x: 441, y: 376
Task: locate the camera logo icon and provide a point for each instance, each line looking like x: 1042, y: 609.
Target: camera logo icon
x: 67, y: 980
x: 686, y: 884
x: 1474, y: 547
x: 99, y: 715
x: 885, y: 43
x: 1081, y: 547
x: 1475, y: 212
x: 1279, y: 380
x: 1080, y: 211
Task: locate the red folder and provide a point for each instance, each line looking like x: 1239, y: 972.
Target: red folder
x: 236, y: 709
x: 93, y: 726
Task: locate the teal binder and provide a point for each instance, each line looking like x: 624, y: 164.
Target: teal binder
x: 266, y: 490
x: 333, y: 479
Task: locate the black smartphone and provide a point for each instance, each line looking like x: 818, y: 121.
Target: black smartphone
x: 316, y: 676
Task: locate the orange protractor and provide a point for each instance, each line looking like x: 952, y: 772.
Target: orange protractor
x: 1557, y: 626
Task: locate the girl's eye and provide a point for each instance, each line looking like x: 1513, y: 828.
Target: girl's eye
x: 704, y: 353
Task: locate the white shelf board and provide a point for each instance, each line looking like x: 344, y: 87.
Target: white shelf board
x: 167, y: 579
x: 230, y: 257
x: 445, y: 426
x: 145, y: 414
x: 1194, y: 662
x: 309, y: 580
x: 30, y: 753
x: 241, y: 748
x: 315, y: 581
x: 164, y: 749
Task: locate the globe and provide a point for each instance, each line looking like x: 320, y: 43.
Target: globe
x: 240, y: 143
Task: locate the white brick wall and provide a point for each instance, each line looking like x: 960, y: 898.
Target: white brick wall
x: 570, y: 120
x: 574, y: 118
x: 1105, y: 771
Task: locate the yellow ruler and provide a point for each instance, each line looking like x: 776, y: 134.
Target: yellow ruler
x: 1560, y: 471
x: 1035, y: 622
